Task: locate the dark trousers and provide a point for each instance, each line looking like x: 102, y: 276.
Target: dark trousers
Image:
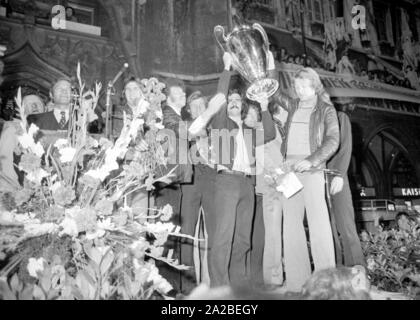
x: 170, y: 195
x: 343, y: 211
x: 257, y: 243
x: 234, y: 206
x: 194, y: 195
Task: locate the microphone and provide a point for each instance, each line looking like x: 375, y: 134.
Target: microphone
x: 125, y: 66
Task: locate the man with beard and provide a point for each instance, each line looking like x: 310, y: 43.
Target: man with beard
x: 235, y: 181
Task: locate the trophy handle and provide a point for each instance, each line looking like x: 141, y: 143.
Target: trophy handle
x: 261, y: 30
x: 219, y: 34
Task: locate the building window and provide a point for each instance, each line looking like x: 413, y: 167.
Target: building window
x: 315, y: 10
x: 380, y: 18
x: 83, y: 14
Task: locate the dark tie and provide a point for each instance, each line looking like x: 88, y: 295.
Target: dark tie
x: 63, y: 120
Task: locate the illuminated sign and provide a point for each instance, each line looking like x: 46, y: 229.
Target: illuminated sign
x: 407, y: 192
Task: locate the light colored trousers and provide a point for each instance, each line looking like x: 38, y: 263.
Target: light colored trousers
x: 272, y: 259
x: 296, y: 256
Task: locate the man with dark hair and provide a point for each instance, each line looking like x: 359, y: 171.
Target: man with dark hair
x: 341, y: 200
x: 178, y: 159
x: 235, y: 181
x: 197, y: 194
x: 172, y: 120
x: 132, y: 100
x: 70, y: 14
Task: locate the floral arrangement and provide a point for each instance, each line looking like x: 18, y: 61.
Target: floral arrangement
x: 393, y: 259
x: 68, y: 232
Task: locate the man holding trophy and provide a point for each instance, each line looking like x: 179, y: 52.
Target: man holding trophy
x: 234, y: 202
x: 311, y: 138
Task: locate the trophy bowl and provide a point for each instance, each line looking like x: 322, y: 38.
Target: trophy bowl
x: 249, y: 48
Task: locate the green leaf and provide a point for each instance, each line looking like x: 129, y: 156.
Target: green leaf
x: 94, y: 254
x: 91, y: 270
x: 106, y: 262
x: 87, y: 277
x: 14, y: 284
x: 27, y: 293
x: 45, y: 282
x: 38, y: 294
x: 5, y: 292
x: 52, y: 294
x: 86, y: 289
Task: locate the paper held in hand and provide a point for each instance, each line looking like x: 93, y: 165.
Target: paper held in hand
x: 289, y: 184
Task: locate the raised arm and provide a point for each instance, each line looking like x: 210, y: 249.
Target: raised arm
x: 216, y: 110
x: 268, y: 125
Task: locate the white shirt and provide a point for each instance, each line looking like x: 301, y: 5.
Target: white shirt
x: 178, y: 112
x: 241, y: 161
x: 57, y: 114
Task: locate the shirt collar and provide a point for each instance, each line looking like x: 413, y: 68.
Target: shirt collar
x: 178, y: 112
x: 57, y: 114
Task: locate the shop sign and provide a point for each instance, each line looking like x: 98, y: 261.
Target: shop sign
x: 407, y: 192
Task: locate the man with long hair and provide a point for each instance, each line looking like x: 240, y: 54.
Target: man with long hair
x: 311, y: 138
x: 235, y: 183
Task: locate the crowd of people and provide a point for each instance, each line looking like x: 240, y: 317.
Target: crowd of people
x: 409, y: 79
x: 255, y: 233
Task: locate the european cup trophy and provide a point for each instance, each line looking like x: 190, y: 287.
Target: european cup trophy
x: 249, y: 47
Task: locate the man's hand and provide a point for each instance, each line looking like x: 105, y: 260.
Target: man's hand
x: 214, y: 106
x: 336, y: 185
x: 302, y: 166
x: 263, y: 103
x: 227, y: 60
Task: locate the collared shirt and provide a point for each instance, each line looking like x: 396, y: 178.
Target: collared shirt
x: 57, y: 114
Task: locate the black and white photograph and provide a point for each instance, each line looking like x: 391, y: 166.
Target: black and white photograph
x: 212, y: 150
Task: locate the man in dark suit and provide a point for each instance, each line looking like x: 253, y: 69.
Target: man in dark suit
x: 341, y: 200
x: 58, y: 118
x: 178, y: 160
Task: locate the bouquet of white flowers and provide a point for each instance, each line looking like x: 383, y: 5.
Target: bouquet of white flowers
x: 69, y: 234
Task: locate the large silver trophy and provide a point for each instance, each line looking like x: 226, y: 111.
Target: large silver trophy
x: 249, y: 47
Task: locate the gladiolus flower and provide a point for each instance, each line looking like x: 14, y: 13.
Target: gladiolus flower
x: 35, y: 266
